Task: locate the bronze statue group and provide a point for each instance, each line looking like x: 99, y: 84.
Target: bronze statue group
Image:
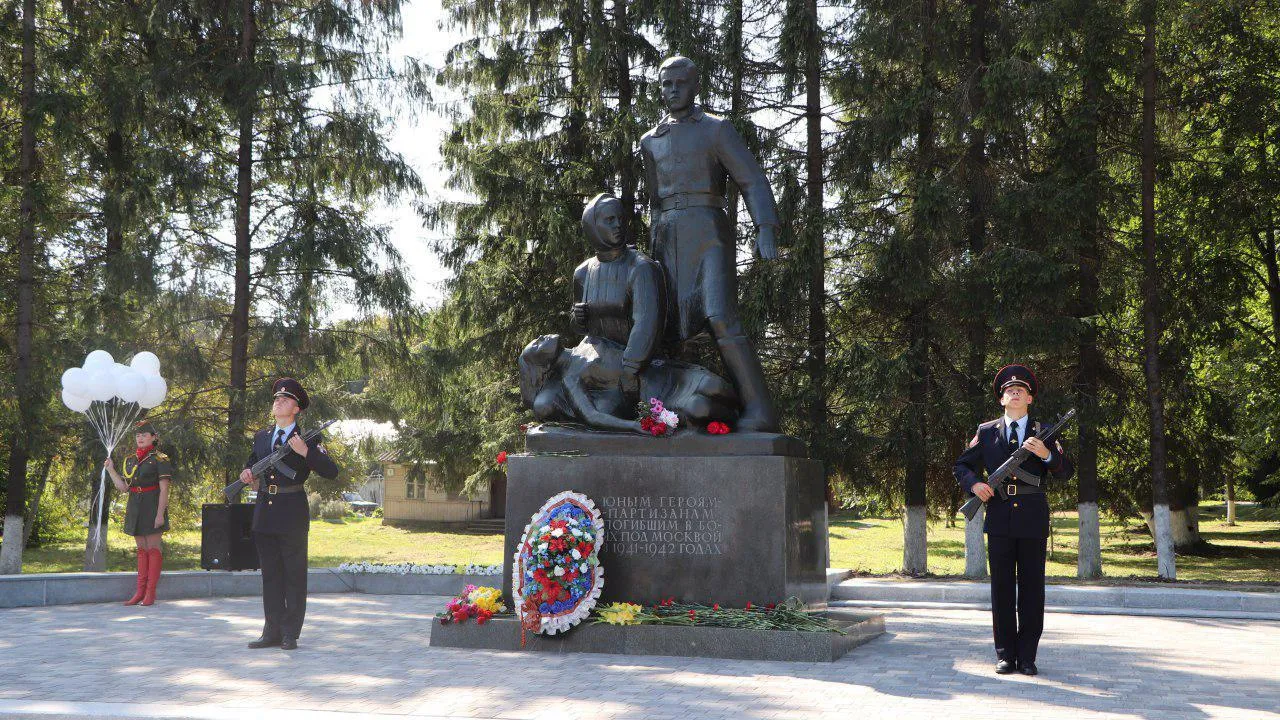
x: 637, y: 313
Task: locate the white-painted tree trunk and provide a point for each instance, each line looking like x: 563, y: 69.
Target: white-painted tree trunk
x: 915, y: 546
x: 1231, y: 500
x: 11, y: 547
x: 1089, y: 561
x: 1185, y: 525
x: 975, y: 547
x: 1165, y: 566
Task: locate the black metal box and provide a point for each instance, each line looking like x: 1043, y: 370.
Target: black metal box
x: 226, y: 537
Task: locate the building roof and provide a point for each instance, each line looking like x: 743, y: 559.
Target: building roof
x: 393, y: 456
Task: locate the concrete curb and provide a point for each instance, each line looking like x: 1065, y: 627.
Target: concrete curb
x: 45, y: 589
x: 1142, y: 612
x: 1112, y: 599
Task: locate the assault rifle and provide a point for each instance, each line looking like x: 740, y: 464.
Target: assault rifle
x: 1012, y: 468
x: 274, y: 460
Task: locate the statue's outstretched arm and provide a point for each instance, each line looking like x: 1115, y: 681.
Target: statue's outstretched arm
x: 586, y: 410
x: 746, y: 172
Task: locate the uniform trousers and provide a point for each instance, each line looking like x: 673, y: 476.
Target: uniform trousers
x: 283, y: 557
x: 1017, y: 595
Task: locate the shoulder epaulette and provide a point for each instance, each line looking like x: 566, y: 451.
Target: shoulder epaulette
x: 161, y: 456
x: 989, y: 423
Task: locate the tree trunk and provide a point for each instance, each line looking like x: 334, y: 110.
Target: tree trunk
x: 734, y: 64
x: 817, y: 360
x: 1089, y: 560
x: 628, y: 178
x: 1151, y: 301
x: 20, y: 442
x: 978, y: 177
x: 30, y: 523
x: 247, y: 102
x: 915, y: 545
x: 1231, y: 499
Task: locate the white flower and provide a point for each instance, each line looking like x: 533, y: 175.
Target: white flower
x: 576, y: 554
x: 668, y: 418
x: 545, y: 529
x: 576, y: 531
x: 559, y: 571
x: 542, y: 546
x: 557, y: 532
x: 583, y: 567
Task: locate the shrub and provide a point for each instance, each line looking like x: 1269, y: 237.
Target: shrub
x: 333, y: 510
x: 314, y: 503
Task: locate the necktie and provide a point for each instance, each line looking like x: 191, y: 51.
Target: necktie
x: 1013, y: 434
x: 279, y: 439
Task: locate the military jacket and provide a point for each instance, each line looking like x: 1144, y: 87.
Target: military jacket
x: 148, y: 471
x: 1021, y: 516
x: 286, y: 512
x: 698, y: 155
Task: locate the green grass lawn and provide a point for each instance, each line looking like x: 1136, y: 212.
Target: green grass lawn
x: 331, y: 543
x: 1249, y: 552
x: 1246, y: 553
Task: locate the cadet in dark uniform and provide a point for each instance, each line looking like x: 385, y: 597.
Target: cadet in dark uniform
x: 281, y: 518
x: 1018, y: 528
x: 146, y: 480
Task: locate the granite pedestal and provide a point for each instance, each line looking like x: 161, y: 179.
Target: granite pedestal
x: 702, y: 519
x: 503, y: 633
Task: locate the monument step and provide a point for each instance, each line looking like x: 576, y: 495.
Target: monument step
x: 503, y: 633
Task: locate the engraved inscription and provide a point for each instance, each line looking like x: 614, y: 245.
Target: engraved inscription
x: 653, y: 526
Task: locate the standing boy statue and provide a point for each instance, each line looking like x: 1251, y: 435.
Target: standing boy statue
x: 688, y: 160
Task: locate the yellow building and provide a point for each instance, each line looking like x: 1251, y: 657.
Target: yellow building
x: 413, y: 499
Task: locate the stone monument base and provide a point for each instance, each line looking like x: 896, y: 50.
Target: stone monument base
x: 503, y: 633
x: 725, y: 519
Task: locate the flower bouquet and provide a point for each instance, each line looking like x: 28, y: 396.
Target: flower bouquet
x: 789, y: 615
x: 480, y: 603
x: 557, y: 575
x: 656, y: 419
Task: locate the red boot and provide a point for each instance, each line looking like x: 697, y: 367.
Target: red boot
x: 153, y: 575
x: 144, y: 557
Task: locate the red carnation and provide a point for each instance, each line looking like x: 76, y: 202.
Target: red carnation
x: 717, y: 428
x: 748, y: 604
x: 716, y: 606
x: 502, y: 458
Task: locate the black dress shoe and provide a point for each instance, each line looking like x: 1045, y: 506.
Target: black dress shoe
x: 289, y: 644
x: 1028, y: 668
x: 264, y: 642
x: 1006, y: 667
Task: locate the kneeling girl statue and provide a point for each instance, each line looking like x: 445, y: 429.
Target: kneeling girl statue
x: 619, y: 301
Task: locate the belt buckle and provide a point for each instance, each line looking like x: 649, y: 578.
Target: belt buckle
x: 1012, y: 489
x: 273, y: 489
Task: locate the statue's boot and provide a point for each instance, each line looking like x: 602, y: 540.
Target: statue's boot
x: 744, y: 368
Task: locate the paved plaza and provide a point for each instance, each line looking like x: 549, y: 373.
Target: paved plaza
x: 368, y: 656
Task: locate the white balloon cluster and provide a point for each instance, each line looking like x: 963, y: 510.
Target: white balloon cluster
x: 101, y: 378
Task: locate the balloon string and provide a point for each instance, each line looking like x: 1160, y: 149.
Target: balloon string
x: 111, y: 420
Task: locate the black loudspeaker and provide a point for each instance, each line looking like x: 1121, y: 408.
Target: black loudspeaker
x: 226, y: 537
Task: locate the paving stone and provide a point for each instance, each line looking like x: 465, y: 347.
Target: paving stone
x: 368, y: 656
